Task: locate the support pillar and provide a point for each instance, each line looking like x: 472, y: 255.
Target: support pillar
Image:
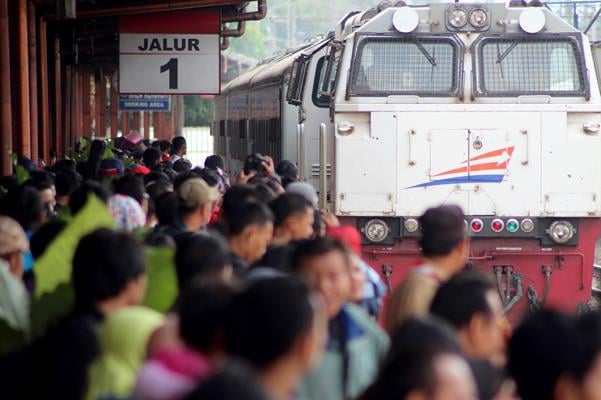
x: 33, y: 80
x: 6, y: 141
x: 58, y: 99
x: 114, y: 108
x: 44, y: 93
x: 147, y: 125
x: 136, y: 126
x: 124, y: 123
x: 86, y: 105
x: 100, y: 106
x: 23, y: 114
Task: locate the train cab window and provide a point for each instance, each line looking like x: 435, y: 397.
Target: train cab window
x: 222, y: 128
x: 385, y: 65
x: 523, y: 65
x: 325, y: 76
x: 294, y: 95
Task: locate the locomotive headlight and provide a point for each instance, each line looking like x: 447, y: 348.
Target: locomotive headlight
x: 478, y: 18
x: 527, y: 225
x: 411, y: 225
x: 376, y: 231
x: 405, y: 20
x: 457, y: 18
x: 532, y: 20
x: 561, y: 232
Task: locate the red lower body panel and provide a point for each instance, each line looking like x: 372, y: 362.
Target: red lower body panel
x: 527, y: 274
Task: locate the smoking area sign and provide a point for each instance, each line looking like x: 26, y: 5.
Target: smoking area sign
x: 169, y: 53
x: 144, y: 102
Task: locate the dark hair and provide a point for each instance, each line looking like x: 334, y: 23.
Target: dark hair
x: 44, y: 236
x: 63, y: 165
x: 200, y: 255
x: 183, y: 176
x: 166, y: 208
x: 178, y: 143
x: 235, y: 196
x: 24, y: 205
x: 164, y: 145
x: 202, y: 313
x: 463, y: 296
x: 156, y: 175
x: 157, y: 188
x: 182, y: 165
x: 151, y: 157
x: 266, y: 319
x: 443, y: 228
x: 264, y: 193
x: 132, y: 186
x: 66, y: 182
x: 287, y: 205
x: 425, y: 335
x: 92, y: 165
x: 165, y: 168
x: 287, y: 171
x: 41, y: 180
x: 416, y: 345
x: 310, y: 248
x: 79, y: 197
x: 248, y: 214
x: 542, y: 349
x: 215, y: 161
x: 589, y: 330
x: 212, y: 178
x: 104, y: 262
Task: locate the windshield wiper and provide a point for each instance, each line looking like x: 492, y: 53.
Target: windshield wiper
x: 502, y: 56
x: 428, y: 56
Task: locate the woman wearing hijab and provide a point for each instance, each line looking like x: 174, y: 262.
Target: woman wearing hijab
x: 124, y: 338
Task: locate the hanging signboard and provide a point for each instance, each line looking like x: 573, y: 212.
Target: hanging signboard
x: 170, y: 53
x: 144, y: 102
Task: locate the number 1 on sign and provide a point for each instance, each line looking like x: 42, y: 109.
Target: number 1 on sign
x: 171, y: 66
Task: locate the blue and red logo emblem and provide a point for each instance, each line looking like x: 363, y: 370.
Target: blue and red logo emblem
x: 489, y: 167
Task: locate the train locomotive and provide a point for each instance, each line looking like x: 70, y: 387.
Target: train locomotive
x: 487, y: 105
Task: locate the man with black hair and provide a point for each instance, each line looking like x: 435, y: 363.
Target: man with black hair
x: 249, y: 229
x: 24, y: 205
x: 200, y: 255
x: 279, y: 329
x: 132, y: 186
x: 43, y: 182
x: 178, y: 149
x: 445, y: 247
x: 425, y: 363
x: 182, y: 165
x: 79, y: 197
x: 356, y: 346
x: 151, y: 157
x: 66, y: 182
x: 293, y: 218
x: 553, y: 356
x: 288, y: 172
x: 470, y: 303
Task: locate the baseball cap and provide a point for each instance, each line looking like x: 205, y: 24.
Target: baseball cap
x: 195, y: 192
x: 12, y: 237
x: 111, y: 167
x: 304, y: 189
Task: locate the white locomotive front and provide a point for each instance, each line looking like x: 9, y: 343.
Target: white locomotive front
x: 491, y: 107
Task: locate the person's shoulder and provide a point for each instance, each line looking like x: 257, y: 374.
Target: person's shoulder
x: 369, y: 326
x: 235, y: 381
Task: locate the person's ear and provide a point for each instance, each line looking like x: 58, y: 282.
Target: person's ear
x: 475, y: 328
x: 416, y: 394
x: 566, y: 388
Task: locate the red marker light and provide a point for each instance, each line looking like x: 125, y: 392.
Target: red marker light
x: 477, y: 225
x: 497, y: 225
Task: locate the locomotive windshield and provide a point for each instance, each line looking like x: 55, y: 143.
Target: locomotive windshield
x: 426, y: 66
x: 514, y: 66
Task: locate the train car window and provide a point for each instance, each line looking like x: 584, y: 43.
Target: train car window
x: 222, y: 128
x: 294, y: 95
x: 320, y: 71
x: 519, y: 65
x: 410, y: 65
x: 328, y: 80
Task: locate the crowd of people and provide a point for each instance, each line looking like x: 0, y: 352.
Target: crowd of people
x: 273, y: 299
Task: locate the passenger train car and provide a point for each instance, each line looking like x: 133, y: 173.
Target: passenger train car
x: 488, y: 106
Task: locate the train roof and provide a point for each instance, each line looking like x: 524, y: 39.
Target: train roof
x: 274, y: 68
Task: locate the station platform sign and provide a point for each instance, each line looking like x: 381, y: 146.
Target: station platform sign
x: 144, y: 102
x: 175, y: 52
